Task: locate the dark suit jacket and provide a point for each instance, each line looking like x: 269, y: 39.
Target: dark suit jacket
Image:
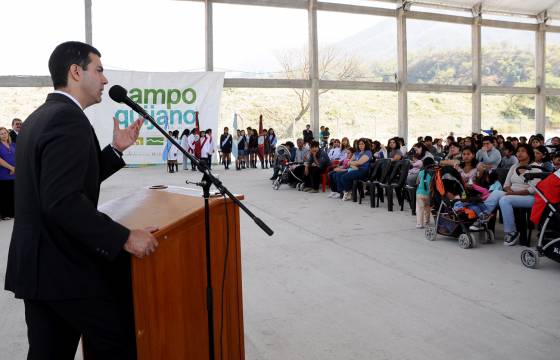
x: 62, y: 247
x: 13, y: 136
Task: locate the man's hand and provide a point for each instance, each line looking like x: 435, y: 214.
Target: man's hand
x: 123, y: 138
x: 141, y: 242
x: 12, y: 170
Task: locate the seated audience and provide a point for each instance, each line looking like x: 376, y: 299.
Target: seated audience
x: 335, y: 150
x: 316, y: 164
x: 419, y: 153
x: 468, y: 167
x: 541, y: 158
x: 342, y: 167
x: 7, y: 174
x: 488, y: 156
x: 508, y: 157
x: 392, y: 151
x: 556, y: 161
x: 359, y: 168
x: 516, y: 194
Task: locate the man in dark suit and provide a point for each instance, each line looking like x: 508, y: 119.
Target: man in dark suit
x: 307, y: 134
x: 67, y: 261
x: 16, y: 127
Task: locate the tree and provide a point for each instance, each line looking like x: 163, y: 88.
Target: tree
x: 333, y: 65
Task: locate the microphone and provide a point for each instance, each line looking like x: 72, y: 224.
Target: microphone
x: 118, y: 94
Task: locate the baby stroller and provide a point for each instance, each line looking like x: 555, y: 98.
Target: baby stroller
x: 286, y: 169
x: 546, y: 215
x: 447, y: 220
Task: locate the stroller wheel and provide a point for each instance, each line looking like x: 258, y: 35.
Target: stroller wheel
x: 300, y: 186
x: 466, y: 241
x: 276, y: 185
x: 430, y: 233
x: 489, y: 236
x: 530, y: 258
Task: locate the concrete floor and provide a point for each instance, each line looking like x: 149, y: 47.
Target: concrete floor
x: 342, y: 281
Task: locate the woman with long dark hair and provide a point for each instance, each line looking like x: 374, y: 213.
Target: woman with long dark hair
x: 7, y: 174
x: 516, y: 194
x: 359, y: 168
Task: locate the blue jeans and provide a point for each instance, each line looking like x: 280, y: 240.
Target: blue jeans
x: 334, y: 180
x: 478, y: 208
x: 508, y: 203
x: 347, y: 179
x: 493, y: 200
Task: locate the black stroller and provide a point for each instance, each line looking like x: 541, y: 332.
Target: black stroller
x: 546, y: 214
x: 286, y: 169
x: 448, y: 221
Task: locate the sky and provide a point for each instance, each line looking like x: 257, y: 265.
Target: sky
x: 161, y: 35
x: 168, y: 35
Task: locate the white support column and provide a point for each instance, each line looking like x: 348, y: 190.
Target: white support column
x: 313, y: 67
x: 209, y: 36
x: 402, y: 74
x: 476, y: 54
x: 540, y: 98
x: 89, y: 32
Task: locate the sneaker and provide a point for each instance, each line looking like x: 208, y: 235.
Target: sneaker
x: 347, y: 196
x: 273, y: 178
x: 333, y: 194
x: 477, y: 225
x: 313, y: 191
x: 307, y: 189
x: 510, y: 239
x: 419, y: 226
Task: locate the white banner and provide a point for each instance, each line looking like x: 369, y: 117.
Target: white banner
x: 170, y: 98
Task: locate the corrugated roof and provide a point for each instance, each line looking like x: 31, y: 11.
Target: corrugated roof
x: 520, y: 7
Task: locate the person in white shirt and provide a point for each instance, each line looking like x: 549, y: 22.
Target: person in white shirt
x: 334, y: 153
x: 207, y: 148
x: 184, y: 144
x: 173, y: 154
x: 192, y: 139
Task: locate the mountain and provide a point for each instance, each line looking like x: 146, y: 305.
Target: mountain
x: 379, y: 42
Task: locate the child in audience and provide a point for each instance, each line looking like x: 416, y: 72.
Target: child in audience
x: 556, y: 161
x: 423, y: 194
x: 494, y: 182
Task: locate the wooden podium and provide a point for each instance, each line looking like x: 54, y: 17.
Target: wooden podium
x: 169, y: 287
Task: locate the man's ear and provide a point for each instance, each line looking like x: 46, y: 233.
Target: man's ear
x: 74, y: 73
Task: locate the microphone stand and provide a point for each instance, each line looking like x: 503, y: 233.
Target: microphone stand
x: 208, y: 179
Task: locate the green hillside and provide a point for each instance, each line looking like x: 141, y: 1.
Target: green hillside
x: 356, y: 113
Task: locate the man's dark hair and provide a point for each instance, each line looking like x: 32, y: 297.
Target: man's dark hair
x: 428, y: 138
x: 314, y: 144
x: 14, y: 121
x: 490, y: 139
x: 509, y: 146
x: 66, y: 55
x: 455, y: 144
x: 428, y: 161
